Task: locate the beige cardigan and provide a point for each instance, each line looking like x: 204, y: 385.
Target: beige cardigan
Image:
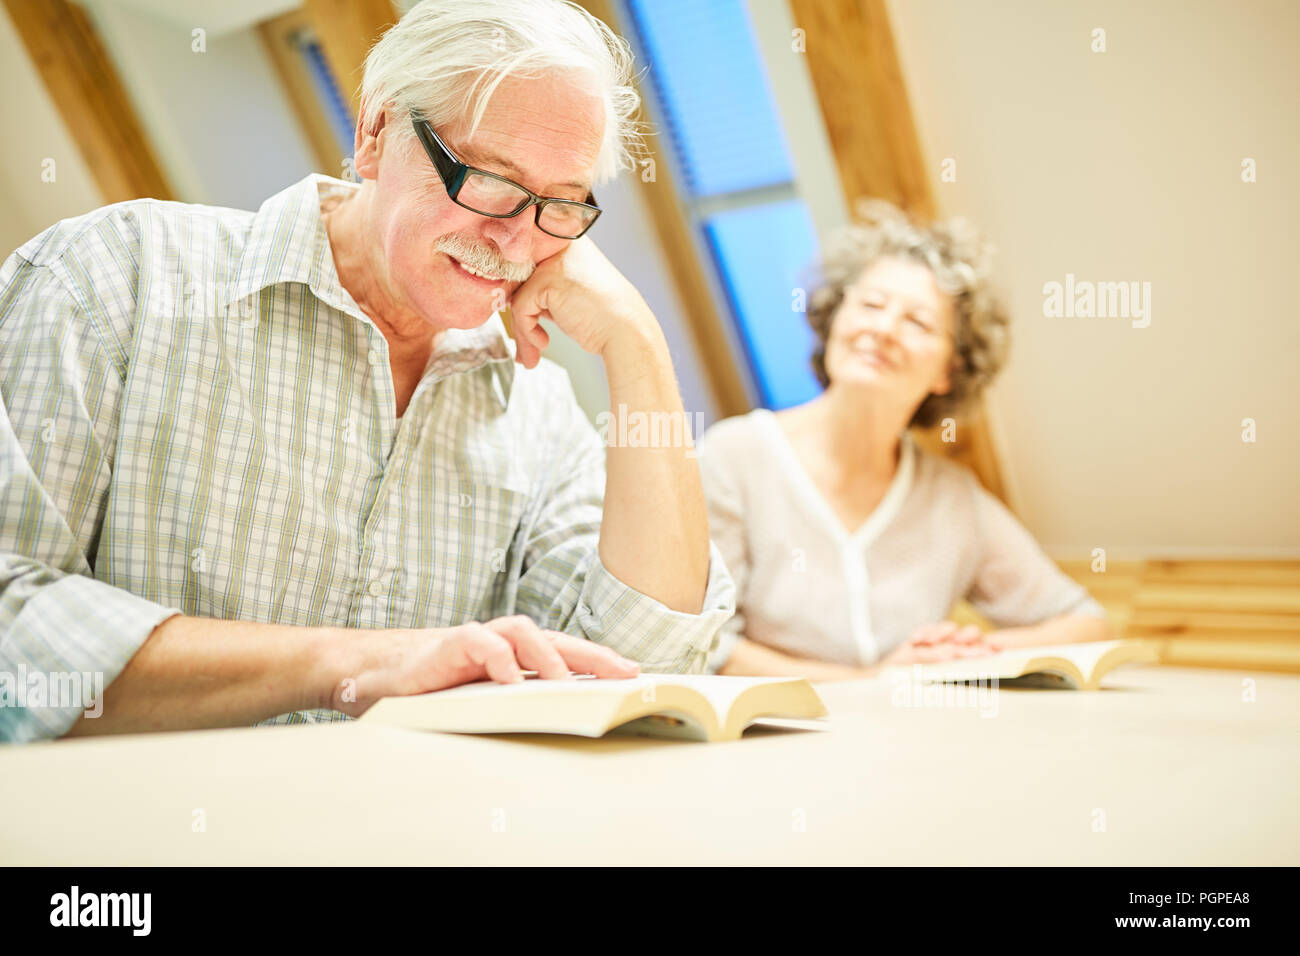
x: 806, y: 586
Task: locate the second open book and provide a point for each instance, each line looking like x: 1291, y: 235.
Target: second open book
x: 1067, y: 666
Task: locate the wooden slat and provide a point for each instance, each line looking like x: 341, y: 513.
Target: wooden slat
x: 1231, y: 655
x: 1181, y: 620
x: 1204, y: 613
x: 90, y: 97
x: 1254, y: 573
x: 1113, y: 588
x: 1219, y: 597
x: 1216, y: 636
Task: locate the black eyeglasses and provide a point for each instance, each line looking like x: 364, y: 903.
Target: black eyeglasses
x: 491, y: 195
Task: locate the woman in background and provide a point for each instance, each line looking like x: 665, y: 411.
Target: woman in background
x: 849, y: 545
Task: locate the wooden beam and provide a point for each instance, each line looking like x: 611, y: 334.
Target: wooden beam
x: 90, y: 97
x: 972, y: 447
x: 855, y: 70
x: 347, y: 29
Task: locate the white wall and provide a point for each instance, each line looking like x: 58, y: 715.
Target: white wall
x: 34, y: 133
x: 1126, y: 165
x: 221, y: 125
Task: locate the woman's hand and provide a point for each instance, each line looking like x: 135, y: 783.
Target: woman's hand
x: 945, y: 641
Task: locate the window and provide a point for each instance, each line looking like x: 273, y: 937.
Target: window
x: 327, y: 89
x: 312, y: 89
x: 718, y: 119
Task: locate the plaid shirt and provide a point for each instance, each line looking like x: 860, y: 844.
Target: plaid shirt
x: 197, y: 418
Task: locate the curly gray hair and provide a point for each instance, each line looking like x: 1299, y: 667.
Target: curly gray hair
x: 959, y: 257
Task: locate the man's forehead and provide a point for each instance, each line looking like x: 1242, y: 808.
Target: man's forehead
x: 539, y: 127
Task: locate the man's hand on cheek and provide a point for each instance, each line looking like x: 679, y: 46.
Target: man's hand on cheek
x: 584, y: 295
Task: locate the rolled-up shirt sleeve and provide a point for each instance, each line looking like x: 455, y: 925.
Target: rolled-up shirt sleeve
x: 64, y: 635
x: 564, y: 585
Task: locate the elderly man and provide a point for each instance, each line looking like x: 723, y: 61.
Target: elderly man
x: 275, y: 466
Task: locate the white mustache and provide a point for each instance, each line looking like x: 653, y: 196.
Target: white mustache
x: 483, y: 259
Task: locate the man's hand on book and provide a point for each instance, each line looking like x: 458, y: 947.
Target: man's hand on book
x: 396, y: 663
x: 944, y: 641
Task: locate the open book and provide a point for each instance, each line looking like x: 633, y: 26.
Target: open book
x: 685, y: 706
x: 1071, y: 666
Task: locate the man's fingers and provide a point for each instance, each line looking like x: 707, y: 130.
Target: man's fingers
x: 968, y: 634
x: 492, y: 652
x: 529, y: 306
x: 541, y: 338
x: 532, y: 339
x: 525, y: 341
x: 532, y: 648
x: 587, y: 658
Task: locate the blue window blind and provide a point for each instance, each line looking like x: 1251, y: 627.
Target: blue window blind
x: 719, y: 119
x: 760, y: 252
x: 327, y: 89
x: 705, y: 69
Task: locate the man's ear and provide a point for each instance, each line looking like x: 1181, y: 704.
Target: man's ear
x: 368, y: 145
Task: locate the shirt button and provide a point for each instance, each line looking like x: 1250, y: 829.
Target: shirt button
x: 376, y: 588
x: 372, y: 357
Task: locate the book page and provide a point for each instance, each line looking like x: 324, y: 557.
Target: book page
x: 537, y: 687
x: 582, y: 706
x: 720, y: 691
x: 531, y: 706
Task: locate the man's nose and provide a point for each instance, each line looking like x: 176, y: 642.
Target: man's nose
x: 514, y: 236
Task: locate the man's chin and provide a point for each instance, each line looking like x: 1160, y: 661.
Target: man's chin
x: 468, y: 312
x: 466, y: 321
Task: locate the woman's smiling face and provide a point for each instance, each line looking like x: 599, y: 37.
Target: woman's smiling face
x: 893, y: 331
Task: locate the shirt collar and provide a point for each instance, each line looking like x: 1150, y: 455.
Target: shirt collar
x: 287, y: 242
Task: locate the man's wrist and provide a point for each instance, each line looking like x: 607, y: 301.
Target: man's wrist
x: 638, y: 342
x: 338, y: 656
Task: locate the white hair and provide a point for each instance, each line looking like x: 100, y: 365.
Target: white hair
x: 445, y: 58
